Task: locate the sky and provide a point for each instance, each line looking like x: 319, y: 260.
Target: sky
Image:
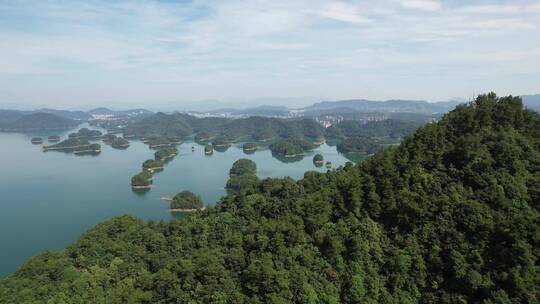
x: 174, y: 54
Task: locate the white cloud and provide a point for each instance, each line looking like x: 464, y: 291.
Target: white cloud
x: 342, y: 12
x: 237, y: 49
x: 425, y: 5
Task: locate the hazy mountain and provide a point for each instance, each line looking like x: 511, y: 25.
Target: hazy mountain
x: 40, y: 121
x: 532, y: 101
x: 76, y: 115
x: 364, y: 105
x: 106, y: 111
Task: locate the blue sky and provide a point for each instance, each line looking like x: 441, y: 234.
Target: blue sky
x: 72, y: 54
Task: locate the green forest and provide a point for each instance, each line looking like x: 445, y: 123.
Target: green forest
x: 451, y: 215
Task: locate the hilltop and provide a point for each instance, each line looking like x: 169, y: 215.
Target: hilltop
x: 449, y: 216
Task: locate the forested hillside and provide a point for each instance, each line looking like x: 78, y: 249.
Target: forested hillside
x: 452, y: 215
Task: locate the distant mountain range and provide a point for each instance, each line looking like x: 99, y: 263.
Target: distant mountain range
x: 52, y: 119
x: 364, y: 105
x: 26, y: 120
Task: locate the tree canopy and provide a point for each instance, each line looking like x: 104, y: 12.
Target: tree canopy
x: 243, y: 166
x: 452, y: 215
x: 186, y: 200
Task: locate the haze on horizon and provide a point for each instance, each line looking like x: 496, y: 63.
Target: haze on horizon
x: 79, y: 54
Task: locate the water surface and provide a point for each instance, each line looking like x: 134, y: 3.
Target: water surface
x: 48, y: 199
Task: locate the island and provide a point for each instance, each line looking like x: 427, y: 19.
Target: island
x: 53, y: 138
x: 120, y: 143
x: 89, y: 149
x: 328, y: 164
x: 186, y: 201
x: 249, y: 147
x: 75, y: 145
x: 161, y: 142
x: 152, y: 165
x: 142, y: 180
x: 86, y: 133
x: 291, y: 147
x: 221, y: 141
x: 37, y: 140
x: 243, y: 174
x: 208, y: 149
x: 165, y: 153
x: 243, y: 166
x: 318, y: 160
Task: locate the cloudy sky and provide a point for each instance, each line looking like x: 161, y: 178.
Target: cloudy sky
x: 71, y: 54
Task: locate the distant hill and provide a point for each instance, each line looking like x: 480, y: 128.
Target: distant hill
x: 109, y: 112
x: 532, y: 101
x: 38, y: 122
x: 364, y: 105
x: 76, y: 115
x: 9, y: 116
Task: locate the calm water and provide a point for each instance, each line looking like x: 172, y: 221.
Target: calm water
x: 47, y: 200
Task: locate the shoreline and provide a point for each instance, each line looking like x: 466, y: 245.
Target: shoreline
x: 186, y: 210
x: 141, y: 187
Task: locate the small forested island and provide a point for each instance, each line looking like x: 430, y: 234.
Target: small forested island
x: 249, y: 147
x: 291, y: 147
x: 243, y: 174
x: 221, y: 141
x: 243, y: 166
x: 318, y: 159
x: 186, y: 201
x: 208, y: 149
x: 53, y: 138
x: 165, y: 153
x: 86, y: 133
x: 152, y: 164
x: 120, y: 143
x: 37, y: 140
x: 359, y: 144
x: 161, y: 142
x: 142, y: 180
x: 328, y: 164
x: 75, y: 145
x: 90, y: 149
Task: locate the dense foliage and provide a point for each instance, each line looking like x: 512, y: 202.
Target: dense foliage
x: 359, y: 144
x: 143, y: 179
x: 392, y: 128
x: 452, y: 215
x: 119, y: 143
x: 291, y: 147
x: 221, y: 130
x: 152, y: 164
x: 85, y: 133
x: 249, y: 147
x: 165, y: 153
x: 74, y: 145
x: 186, y: 200
x: 243, y: 166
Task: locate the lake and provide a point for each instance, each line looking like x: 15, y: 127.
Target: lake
x: 48, y: 199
